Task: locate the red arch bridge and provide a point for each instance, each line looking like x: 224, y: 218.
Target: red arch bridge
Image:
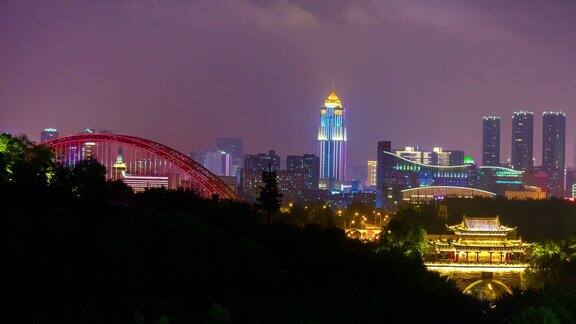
x: 140, y: 163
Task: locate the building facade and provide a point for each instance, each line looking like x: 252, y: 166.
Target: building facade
x: 332, y: 139
x: 570, y: 183
x: 418, y: 155
x: 456, y: 157
x: 522, y: 157
x: 234, y: 147
x: 217, y: 162
x: 308, y: 165
x: 396, y: 174
x: 371, y: 173
x: 553, y: 150
x: 426, y: 194
x: 261, y: 162
x: 491, y: 140
x: 251, y: 175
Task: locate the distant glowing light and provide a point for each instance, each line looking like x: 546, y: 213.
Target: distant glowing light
x: 468, y: 160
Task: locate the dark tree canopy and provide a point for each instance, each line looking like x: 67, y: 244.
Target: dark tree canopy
x: 80, y: 249
x: 270, y: 198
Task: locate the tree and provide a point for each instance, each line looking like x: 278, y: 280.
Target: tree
x: 535, y: 315
x: 546, y: 261
x: 24, y: 163
x: 407, y: 238
x: 270, y: 196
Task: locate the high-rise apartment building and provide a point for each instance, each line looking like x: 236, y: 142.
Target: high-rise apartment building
x: 491, y: 140
x: 217, y: 162
x: 308, y: 165
x: 553, y: 150
x: 262, y: 162
x: 522, y: 140
x: 234, y: 147
x: 382, y: 159
x: 553, y: 140
x: 252, y: 167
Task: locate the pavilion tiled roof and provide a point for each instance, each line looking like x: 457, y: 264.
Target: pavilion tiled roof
x: 481, y: 224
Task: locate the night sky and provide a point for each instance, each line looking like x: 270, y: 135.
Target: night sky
x: 185, y: 72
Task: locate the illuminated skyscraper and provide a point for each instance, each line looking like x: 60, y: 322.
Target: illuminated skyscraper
x: 332, y: 138
x: 491, y: 140
x: 522, y: 140
x: 48, y: 134
x: 553, y: 150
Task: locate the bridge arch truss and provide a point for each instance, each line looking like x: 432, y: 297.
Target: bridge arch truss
x: 137, y: 158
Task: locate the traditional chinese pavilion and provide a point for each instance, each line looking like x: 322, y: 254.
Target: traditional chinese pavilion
x: 480, y: 240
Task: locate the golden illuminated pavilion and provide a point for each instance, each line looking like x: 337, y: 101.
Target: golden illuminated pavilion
x: 481, y: 240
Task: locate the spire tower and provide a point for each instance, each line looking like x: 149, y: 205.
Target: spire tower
x: 332, y: 140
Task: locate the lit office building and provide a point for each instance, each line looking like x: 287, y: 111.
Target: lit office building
x: 332, y: 139
x: 491, y: 140
x: 522, y: 140
x: 48, y: 134
x: 438, y: 156
x: 553, y: 150
x: 417, y: 155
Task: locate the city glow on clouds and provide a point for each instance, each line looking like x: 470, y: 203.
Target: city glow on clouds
x: 186, y: 72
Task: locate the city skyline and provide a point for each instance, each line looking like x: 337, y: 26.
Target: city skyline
x: 486, y: 120
x: 65, y: 72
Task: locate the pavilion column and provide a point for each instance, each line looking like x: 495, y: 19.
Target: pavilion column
x: 477, y: 253
x: 467, y: 256
x: 501, y: 256
x: 490, y: 256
